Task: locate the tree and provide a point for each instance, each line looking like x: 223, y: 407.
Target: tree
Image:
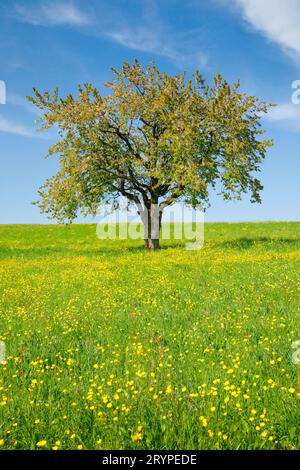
x: 155, y: 139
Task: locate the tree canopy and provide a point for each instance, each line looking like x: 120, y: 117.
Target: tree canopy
x: 154, y: 139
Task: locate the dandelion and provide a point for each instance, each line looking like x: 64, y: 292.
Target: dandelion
x: 41, y: 443
x: 203, y: 421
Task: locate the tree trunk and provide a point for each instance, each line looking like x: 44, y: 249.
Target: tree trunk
x: 151, y: 218
x: 152, y: 243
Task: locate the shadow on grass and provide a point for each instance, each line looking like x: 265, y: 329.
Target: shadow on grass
x: 118, y: 247
x: 108, y: 250
x: 246, y: 243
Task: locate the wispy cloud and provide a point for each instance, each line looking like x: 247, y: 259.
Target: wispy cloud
x: 277, y: 20
x: 140, y: 39
x: 52, y: 13
x: 146, y: 39
x: 285, y: 112
x: 286, y: 115
x: 147, y: 32
x: 152, y: 34
x: 20, y: 101
x: 12, y: 127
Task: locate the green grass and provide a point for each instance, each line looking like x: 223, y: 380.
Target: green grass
x: 112, y: 347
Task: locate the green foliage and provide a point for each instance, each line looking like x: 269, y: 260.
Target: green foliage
x: 154, y: 139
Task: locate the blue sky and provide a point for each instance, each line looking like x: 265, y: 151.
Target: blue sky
x: 64, y: 43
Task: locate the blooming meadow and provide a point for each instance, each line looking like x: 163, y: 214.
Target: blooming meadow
x: 112, y: 347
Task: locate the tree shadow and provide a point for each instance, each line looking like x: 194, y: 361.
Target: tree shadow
x: 246, y: 243
x: 119, y: 248
x: 162, y: 247
x: 70, y: 251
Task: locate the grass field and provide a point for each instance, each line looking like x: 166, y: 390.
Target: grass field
x: 112, y: 347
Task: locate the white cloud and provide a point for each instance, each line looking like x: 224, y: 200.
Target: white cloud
x: 149, y: 40
x: 52, y: 14
x: 12, y: 127
x: 20, y: 101
x: 277, y: 20
x: 286, y: 115
x: 140, y: 39
x: 284, y: 112
x: 150, y: 35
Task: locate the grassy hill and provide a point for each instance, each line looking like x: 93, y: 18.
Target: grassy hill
x: 109, y: 346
